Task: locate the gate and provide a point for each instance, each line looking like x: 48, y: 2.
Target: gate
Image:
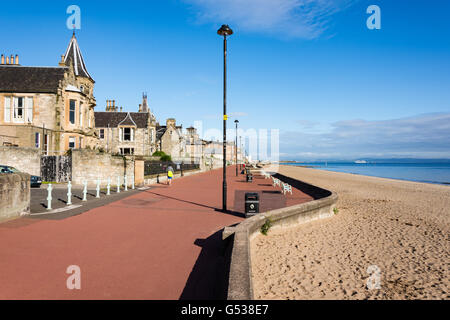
x: 56, y: 168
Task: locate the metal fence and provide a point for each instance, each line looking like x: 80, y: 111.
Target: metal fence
x: 159, y: 167
x: 56, y: 168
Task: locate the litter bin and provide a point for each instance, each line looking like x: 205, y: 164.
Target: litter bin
x: 251, y: 204
x: 249, y: 177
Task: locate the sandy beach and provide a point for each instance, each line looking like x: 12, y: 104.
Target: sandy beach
x: 399, y: 228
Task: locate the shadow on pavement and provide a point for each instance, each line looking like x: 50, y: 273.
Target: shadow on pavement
x: 209, y: 277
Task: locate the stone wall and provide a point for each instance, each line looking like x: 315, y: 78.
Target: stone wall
x: 240, y: 285
x: 26, y: 160
x: 14, y: 195
x: 90, y: 166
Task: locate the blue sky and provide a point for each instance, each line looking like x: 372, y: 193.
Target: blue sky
x: 310, y: 68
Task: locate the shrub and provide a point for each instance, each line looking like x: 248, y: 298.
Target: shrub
x: 166, y: 158
x: 266, y: 227
x: 159, y: 154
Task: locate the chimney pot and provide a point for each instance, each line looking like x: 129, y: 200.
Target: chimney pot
x: 17, y: 59
x: 12, y: 59
x: 7, y: 60
x: 3, y: 59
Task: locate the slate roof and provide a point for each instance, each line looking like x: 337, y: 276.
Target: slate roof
x: 114, y: 119
x: 73, y: 53
x: 160, y: 130
x: 14, y: 78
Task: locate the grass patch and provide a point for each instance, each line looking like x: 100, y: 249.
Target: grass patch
x: 266, y: 227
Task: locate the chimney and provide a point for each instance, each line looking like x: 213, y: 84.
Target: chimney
x: 12, y: 59
x: 17, y: 59
x: 114, y: 105
x: 62, y: 63
x: 7, y: 60
x: 121, y: 109
x: 3, y: 59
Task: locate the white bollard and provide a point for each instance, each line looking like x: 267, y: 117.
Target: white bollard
x: 98, y: 189
x: 108, y: 188
x: 69, y: 193
x: 118, y: 184
x: 49, y: 197
x: 85, y: 191
x: 126, y: 183
x: 132, y: 184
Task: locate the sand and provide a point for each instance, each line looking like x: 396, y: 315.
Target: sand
x: 399, y: 228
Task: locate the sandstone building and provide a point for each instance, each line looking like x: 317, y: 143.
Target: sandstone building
x: 170, y: 139
x: 48, y: 108
x: 127, y: 133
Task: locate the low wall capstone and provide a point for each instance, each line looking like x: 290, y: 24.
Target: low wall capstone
x: 240, y: 279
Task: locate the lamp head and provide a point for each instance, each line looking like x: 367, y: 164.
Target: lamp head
x: 225, y: 30
x: 236, y: 121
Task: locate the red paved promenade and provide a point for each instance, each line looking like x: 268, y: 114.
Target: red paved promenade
x: 163, y: 243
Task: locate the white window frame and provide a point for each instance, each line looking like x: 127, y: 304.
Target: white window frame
x: 16, y: 117
x: 29, y: 109
x: 122, y: 134
x: 7, y: 109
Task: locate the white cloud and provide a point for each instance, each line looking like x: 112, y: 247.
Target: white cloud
x: 306, y: 19
x: 421, y: 136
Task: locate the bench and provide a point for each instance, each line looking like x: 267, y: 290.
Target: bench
x: 287, y: 188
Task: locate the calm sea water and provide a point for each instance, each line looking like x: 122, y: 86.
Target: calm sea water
x: 438, y: 173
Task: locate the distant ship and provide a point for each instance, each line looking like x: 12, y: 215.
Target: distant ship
x: 360, y: 161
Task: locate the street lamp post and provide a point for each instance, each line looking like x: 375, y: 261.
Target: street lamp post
x: 224, y: 31
x: 236, y: 146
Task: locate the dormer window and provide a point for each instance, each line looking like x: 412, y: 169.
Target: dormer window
x: 126, y: 134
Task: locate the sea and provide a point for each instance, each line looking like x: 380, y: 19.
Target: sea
x: 436, y: 173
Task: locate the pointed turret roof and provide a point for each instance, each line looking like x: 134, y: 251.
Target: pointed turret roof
x: 73, y: 53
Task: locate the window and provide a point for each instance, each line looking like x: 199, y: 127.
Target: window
x: 72, y: 111
x: 29, y: 108
x: 19, y: 111
x: 126, y: 134
x: 102, y: 134
x: 37, y: 140
x: 71, y: 142
x: 7, y: 115
x: 127, y: 151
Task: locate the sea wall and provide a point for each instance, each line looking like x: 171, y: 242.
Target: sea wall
x: 240, y: 278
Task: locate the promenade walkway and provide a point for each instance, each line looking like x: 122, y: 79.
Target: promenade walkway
x: 161, y: 243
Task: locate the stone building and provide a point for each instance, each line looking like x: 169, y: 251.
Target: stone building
x: 194, y: 145
x: 170, y: 139
x: 48, y: 108
x: 127, y: 133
